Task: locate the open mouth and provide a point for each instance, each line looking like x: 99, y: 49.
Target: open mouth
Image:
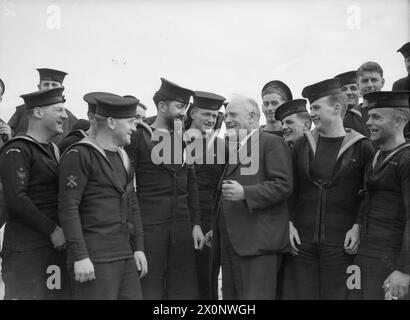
x: 287, y: 133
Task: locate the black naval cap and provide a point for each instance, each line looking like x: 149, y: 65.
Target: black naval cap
x: 116, y: 107
x: 90, y: 98
x: 174, y: 92
x: 347, y: 78
x: 208, y: 100
x: 290, y: 107
x: 321, y: 89
x: 388, y: 99
x: 277, y: 86
x: 51, y: 75
x: 140, y: 104
x: 405, y: 50
x: 43, y: 98
x: 81, y: 124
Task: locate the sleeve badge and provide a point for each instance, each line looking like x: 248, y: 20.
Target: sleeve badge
x: 71, y: 183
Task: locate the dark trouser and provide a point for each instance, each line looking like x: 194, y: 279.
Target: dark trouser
x: 203, y: 266
x: 38, y: 274
x: 374, y: 270
x: 170, y: 254
x: 317, y: 272
x: 248, y: 277
x: 215, y: 265
x: 117, y: 280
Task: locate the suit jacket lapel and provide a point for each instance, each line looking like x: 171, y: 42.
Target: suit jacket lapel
x: 231, y: 168
x: 252, y: 140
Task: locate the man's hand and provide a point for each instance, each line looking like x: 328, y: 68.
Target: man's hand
x: 84, y: 270
x: 232, y: 190
x: 209, y: 237
x: 198, y: 237
x: 58, y: 239
x: 294, y: 239
x: 352, y: 240
x: 5, y: 129
x: 141, y: 262
x: 397, y: 283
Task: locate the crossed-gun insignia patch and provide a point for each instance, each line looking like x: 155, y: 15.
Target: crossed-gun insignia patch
x: 71, y: 181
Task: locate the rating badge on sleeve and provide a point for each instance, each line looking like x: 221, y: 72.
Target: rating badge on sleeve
x: 71, y: 181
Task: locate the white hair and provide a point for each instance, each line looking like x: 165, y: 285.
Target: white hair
x: 249, y: 103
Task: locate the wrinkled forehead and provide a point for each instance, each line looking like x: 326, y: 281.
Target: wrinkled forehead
x: 239, y: 106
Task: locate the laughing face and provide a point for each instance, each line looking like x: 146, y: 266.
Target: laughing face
x: 238, y: 118
x: 381, y: 123
x: 322, y: 113
x: 203, y: 119
x: 293, y: 127
x: 175, y: 112
x: 123, y: 129
x: 54, y: 117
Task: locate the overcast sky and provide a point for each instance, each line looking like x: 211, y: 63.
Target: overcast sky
x: 221, y: 46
